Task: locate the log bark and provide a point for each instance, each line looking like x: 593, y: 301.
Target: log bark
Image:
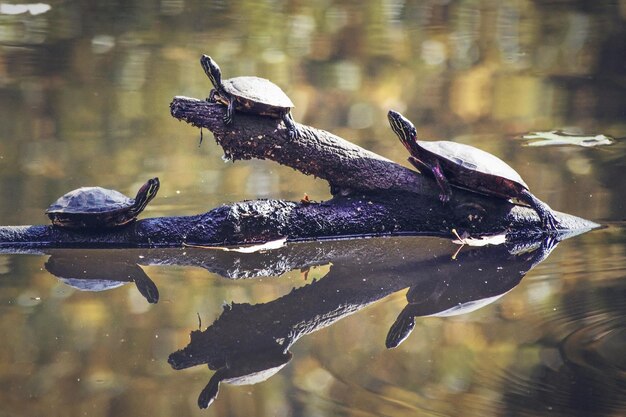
x: 315, y: 152
x: 373, y: 196
x: 265, y: 220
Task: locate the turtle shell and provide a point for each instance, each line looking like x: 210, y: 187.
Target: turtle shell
x: 474, y: 160
x: 258, y: 90
x: 91, y: 200
x: 91, y: 207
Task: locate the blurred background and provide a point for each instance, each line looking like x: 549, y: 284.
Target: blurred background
x: 84, y: 93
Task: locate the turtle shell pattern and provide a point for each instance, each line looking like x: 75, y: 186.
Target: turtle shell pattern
x: 91, y: 207
x: 258, y: 91
x: 475, y: 169
x: 87, y: 200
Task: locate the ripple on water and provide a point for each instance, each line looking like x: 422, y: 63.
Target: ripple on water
x: 572, y: 307
x: 583, y: 374
x: 571, y: 360
x: 598, y: 348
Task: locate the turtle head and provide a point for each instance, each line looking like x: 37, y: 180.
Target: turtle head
x: 146, y: 193
x: 404, y: 129
x: 212, y: 71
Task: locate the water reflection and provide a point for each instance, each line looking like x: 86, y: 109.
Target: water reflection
x: 93, y: 270
x: 249, y: 343
x: 560, y: 138
x: 479, y: 279
x: 583, y: 374
x: 598, y: 348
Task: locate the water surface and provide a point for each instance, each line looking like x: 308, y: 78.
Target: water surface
x: 84, y: 94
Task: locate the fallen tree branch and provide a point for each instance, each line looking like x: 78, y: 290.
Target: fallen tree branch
x: 264, y: 220
x: 373, y: 196
x: 316, y: 152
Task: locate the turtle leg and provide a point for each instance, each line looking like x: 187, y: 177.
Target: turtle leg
x: 230, y: 112
x: 212, y: 95
x: 144, y: 284
x: 291, y: 126
x: 209, y: 393
x: 544, y: 211
x: 435, y: 168
x: 400, y: 329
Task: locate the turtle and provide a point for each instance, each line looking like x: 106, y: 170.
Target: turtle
x: 467, y: 167
x: 249, y: 94
x: 100, y: 208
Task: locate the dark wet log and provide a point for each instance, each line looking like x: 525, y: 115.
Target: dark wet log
x: 264, y: 220
x: 374, y: 196
x: 316, y: 152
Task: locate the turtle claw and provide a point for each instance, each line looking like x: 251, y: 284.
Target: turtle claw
x: 550, y: 222
x: 293, y: 134
x: 292, y: 130
x: 548, y: 219
x: 444, y: 197
x: 227, y: 119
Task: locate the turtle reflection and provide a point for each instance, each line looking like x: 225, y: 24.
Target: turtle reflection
x: 475, y: 285
x: 100, y: 270
x: 249, y: 343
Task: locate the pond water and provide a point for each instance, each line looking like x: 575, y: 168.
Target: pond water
x: 384, y: 326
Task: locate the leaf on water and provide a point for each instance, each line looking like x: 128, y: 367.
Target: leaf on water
x: 33, y: 9
x: 466, y: 239
x: 274, y: 244
x: 558, y: 137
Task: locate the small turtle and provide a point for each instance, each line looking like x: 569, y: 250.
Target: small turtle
x: 99, y: 208
x: 467, y: 167
x: 249, y: 95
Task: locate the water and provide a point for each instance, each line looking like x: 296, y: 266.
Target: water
x: 84, y: 94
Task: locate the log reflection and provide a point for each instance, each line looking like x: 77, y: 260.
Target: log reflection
x: 248, y: 343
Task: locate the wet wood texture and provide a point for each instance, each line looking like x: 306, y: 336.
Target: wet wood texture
x: 373, y: 196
